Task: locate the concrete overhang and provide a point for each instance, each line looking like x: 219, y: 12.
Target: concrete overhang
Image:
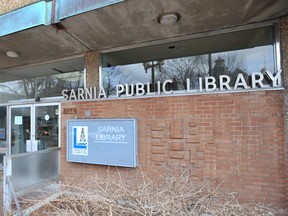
x: 84, y: 26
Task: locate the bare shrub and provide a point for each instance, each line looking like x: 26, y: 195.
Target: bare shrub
x: 138, y: 194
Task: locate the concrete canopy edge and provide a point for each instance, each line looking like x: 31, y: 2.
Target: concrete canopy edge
x: 42, y: 13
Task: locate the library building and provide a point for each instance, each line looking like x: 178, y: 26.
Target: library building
x: 88, y: 87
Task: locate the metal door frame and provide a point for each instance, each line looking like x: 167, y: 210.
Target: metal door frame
x: 9, y: 192
x: 33, y: 118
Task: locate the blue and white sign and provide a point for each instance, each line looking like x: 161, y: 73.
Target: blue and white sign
x: 80, y: 140
x: 110, y: 142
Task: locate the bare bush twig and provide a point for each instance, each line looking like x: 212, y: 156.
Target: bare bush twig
x: 138, y: 195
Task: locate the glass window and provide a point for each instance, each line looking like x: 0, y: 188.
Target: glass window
x: 244, y: 52
x: 47, y: 86
x: 47, y: 80
x: 51, y: 86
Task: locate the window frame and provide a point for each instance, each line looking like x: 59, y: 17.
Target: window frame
x: 276, y: 44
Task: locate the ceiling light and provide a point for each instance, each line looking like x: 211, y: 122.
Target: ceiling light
x: 13, y: 54
x: 168, y: 18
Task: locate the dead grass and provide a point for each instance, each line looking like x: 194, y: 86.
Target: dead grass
x: 138, y: 195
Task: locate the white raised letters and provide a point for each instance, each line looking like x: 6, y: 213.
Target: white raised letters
x: 209, y: 83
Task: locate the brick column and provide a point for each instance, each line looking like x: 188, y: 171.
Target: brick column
x: 284, y: 48
x: 92, y: 63
x: 284, y: 64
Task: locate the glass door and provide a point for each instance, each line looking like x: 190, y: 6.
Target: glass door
x: 46, y: 126
x: 20, y: 131
x: 33, y: 127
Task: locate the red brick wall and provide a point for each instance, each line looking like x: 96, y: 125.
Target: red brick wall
x: 235, y: 137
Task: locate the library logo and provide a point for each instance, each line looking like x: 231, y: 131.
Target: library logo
x: 80, y: 140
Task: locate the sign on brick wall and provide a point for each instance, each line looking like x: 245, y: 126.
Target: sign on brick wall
x: 110, y: 142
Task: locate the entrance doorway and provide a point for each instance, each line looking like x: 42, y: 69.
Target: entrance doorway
x: 33, y: 127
